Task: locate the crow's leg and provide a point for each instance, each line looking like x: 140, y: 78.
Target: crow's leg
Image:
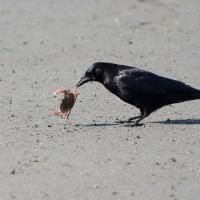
x: 136, y: 123
x: 144, y: 113
x: 128, y: 120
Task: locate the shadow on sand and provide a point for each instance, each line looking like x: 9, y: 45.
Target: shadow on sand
x: 175, y: 122
x: 98, y: 124
x: 179, y: 121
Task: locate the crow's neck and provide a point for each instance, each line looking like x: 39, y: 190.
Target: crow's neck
x: 108, y: 83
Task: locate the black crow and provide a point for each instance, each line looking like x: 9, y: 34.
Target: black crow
x: 145, y: 90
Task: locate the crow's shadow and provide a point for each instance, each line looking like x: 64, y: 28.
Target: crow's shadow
x: 174, y: 121
x: 98, y: 124
x: 179, y: 121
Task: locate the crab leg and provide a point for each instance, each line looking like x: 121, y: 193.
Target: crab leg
x: 58, y: 113
x: 75, y: 93
x: 62, y: 90
x: 68, y: 114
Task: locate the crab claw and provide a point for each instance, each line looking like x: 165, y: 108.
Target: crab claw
x: 62, y: 90
x: 59, y: 113
x: 75, y: 91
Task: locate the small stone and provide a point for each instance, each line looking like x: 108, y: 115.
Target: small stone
x: 132, y: 193
x: 25, y: 43
x: 173, y: 159
x: 96, y: 186
x: 114, y: 193
x: 13, y: 171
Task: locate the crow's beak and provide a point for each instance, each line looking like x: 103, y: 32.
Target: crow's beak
x: 83, y: 80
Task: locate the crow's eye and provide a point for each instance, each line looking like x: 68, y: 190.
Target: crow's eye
x: 98, y: 71
x: 88, y: 74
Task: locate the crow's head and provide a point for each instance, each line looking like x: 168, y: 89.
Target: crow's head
x: 94, y: 73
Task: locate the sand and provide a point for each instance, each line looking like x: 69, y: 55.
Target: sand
x: 48, y: 44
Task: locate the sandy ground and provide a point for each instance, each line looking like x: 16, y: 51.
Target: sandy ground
x: 48, y: 44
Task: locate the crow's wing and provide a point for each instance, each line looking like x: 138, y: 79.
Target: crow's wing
x: 145, y: 82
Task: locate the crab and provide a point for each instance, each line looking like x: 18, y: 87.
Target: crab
x: 67, y: 102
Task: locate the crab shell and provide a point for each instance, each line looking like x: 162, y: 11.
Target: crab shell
x: 68, y: 101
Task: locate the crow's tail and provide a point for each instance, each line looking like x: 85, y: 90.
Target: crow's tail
x: 196, y: 95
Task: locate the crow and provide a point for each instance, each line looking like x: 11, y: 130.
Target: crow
x: 143, y: 89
